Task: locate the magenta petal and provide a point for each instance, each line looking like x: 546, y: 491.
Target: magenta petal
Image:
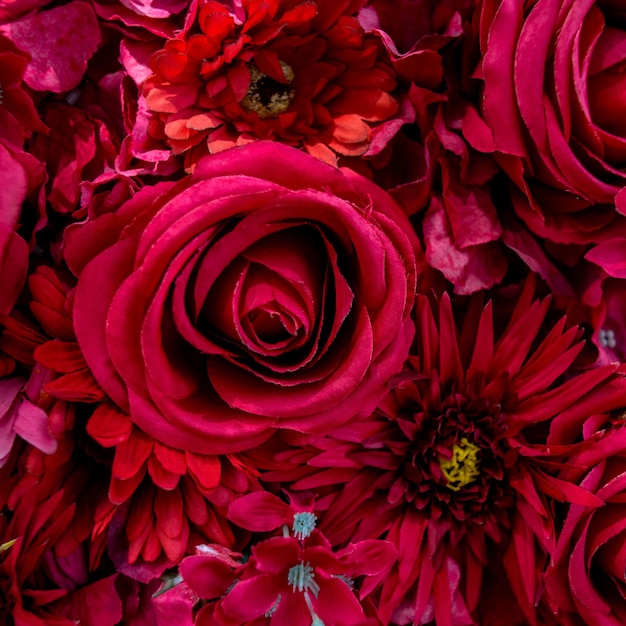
x: 209, y: 577
x: 60, y: 42
x: 291, y: 610
x: 336, y: 603
x: 13, y: 186
x: 31, y: 424
x: 260, y: 512
x: 98, y: 604
x: 253, y: 597
x: 610, y: 255
x: 368, y: 557
x: 276, y: 555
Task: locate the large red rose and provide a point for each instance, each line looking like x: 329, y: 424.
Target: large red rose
x: 220, y: 307
x: 554, y: 86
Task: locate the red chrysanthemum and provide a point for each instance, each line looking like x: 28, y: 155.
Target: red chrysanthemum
x: 455, y: 467
x: 303, y: 73
x: 36, y: 585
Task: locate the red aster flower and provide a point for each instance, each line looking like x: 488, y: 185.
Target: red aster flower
x: 302, y: 73
x: 455, y: 469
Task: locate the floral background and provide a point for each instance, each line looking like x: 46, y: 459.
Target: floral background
x: 312, y: 312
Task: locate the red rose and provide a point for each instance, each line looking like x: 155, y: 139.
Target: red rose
x: 553, y: 99
x: 585, y: 581
x: 225, y: 305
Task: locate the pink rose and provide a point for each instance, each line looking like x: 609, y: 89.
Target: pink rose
x: 220, y: 307
x: 553, y: 99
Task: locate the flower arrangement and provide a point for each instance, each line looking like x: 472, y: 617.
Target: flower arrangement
x: 312, y: 313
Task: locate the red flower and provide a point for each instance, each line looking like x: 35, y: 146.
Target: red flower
x: 454, y: 467
x: 585, y: 581
x: 288, y: 579
x: 160, y: 500
x: 554, y: 85
x: 302, y: 73
x: 196, y: 326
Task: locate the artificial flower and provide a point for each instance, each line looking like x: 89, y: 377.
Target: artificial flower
x: 455, y: 468
x: 291, y: 578
x: 233, y: 389
x: 228, y: 339
x: 303, y: 73
x: 585, y: 580
x: 552, y: 77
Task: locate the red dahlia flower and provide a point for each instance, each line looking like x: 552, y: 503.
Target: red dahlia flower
x: 454, y: 467
x: 305, y: 74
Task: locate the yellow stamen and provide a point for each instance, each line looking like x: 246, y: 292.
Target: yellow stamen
x: 268, y: 97
x: 7, y: 544
x: 462, y: 468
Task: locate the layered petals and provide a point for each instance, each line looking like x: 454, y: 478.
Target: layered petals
x: 229, y: 340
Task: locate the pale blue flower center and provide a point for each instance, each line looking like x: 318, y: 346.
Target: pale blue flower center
x: 301, y: 578
x: 303, y: 525
x: 607, y: 338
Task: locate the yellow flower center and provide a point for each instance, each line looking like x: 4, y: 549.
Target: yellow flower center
x: 7, y: 544
x: 266, y: 96
x: 462, y: 468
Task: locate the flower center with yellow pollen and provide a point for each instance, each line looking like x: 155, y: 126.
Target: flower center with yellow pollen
x: 463, y: 468
x: 266, y: 96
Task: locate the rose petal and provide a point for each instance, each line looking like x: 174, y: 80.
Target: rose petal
x: 60, y: 41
